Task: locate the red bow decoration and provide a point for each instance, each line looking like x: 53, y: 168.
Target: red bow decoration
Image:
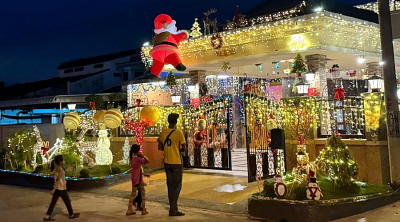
x: 339, y: 93
x: 138, y: 101
x: 45, y: 149
x: 271, y: 116
x: 93, y: 105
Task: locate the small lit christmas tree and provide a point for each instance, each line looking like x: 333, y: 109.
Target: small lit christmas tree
x: 125, y: 149
x: 171, y: 81
x: 337, y: 162
x: 195, y: 29
x: 298, y: 65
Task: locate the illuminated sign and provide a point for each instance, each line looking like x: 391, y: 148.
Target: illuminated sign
x: 298, y: 43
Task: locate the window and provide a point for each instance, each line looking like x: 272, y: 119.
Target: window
x: 345, y: 117
x: 100, y: 65
x: 78, y: 69
x: 137, y: 74
x: 117, y: 74
x: 125, y: 76
x: 68, y: 70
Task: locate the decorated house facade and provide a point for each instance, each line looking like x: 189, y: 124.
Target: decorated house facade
x: 308, y: 67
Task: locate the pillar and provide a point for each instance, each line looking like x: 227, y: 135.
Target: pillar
x: 317, y: 63
x: 197, y: 76
x: 374, y: 68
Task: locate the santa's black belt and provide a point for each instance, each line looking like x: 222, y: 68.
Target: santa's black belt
x: 167, y: 43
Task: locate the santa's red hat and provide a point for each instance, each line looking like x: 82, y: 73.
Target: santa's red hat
x: 159, y: 22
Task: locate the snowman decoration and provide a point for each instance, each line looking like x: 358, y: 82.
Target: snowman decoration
x: 104, y: 155
x: 313, y: 191
x: 280, y: 187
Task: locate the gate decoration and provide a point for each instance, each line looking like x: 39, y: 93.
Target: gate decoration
x: 260, y: 158
x: 209, y: 146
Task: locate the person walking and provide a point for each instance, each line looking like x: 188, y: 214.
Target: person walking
x: 172, y: 142
x: 59, y: 189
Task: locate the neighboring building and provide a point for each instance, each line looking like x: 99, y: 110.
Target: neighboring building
x: 45, y: 101
x: 102, y: 73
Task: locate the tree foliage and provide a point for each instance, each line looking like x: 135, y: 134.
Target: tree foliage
x: 20, y: 145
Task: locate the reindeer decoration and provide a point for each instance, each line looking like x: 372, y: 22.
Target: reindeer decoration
x: 208, y: 23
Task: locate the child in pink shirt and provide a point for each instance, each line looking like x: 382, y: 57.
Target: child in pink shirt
x: 137, y: 160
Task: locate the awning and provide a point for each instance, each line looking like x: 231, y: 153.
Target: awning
x: 48, y: 100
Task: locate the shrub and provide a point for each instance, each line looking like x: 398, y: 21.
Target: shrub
x: 269, y: 189
x: 70, y: 158
x: 39, y: 169
x: 21, y: 167
x: 115, y: 170
x: 300, y: 192
x: 84, y: 173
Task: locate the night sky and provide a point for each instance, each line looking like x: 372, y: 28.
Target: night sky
x: 36, y: 36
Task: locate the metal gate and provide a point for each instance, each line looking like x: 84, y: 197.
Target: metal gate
x: 260, y: 158
x: 215, y: 151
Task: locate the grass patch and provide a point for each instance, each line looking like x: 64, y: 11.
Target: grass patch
x: 329, y: 190
x: 98, y: 170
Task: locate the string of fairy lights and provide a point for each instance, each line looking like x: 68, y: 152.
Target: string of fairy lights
x: 321, y: 29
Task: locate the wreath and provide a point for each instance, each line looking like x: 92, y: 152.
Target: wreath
x: 216, y: 41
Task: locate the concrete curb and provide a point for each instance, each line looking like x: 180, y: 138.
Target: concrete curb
x: 30, y: 180
x: 315, y: 211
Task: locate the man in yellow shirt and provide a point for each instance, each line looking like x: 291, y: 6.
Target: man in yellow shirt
x: 173, y: 142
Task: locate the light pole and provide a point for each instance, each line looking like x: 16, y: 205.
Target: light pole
x: 389, y: 74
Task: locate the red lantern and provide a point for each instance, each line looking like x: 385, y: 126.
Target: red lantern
x: 311, y: 91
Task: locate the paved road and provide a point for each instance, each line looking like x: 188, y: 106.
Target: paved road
x: 20, y: 204
x: 389, y: 213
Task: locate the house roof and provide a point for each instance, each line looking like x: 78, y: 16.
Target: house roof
x: 47, y: 100
x: 19, y: 90
x: 97, y: 59
x: 273, y: 6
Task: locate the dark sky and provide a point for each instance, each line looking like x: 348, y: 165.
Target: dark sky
x: 35, y: 36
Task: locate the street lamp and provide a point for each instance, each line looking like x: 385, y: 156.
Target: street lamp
x: 71, y: 107
x: 310, y: 76
x: 375, y: 82
x: 302, y: 88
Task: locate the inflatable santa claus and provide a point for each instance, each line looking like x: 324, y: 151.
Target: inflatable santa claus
x: 166, y: 42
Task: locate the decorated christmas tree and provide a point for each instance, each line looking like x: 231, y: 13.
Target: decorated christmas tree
x: 195, y: 29
x: 171, y: 81
x: 299, y: 66
x: 337, y: 162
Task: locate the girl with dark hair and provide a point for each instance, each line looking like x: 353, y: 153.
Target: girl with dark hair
x: 137, y: 161
x: 59, y: 189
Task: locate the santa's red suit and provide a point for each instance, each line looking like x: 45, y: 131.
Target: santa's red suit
x: 166, y: 42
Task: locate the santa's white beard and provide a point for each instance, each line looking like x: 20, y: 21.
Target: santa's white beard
x: 172, y: 30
